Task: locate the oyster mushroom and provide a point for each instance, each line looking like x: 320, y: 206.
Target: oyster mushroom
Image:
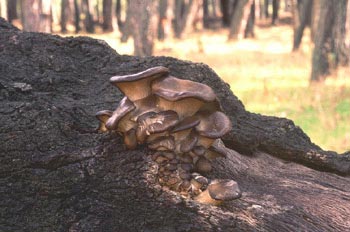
x: 119, y: 120
x: 184, y: 137
x: 137, y: 86
x: 152, y: 123
x: 215, y: 150
x: 183, y: 96
x: 203, y: 165
x: 213, y: 125
x: 103, y: 116
x: 164, y: 143
x: 218, y: 191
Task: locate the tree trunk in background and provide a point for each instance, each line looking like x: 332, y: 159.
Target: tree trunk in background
x: 266, y: 8
x: 125, y: 26
x: 76, y: 16
x: 240, y: 18
x: 142, y: 23
x: 162, y: 11
x: 275, y: 9
x: 330, y: 47
x: 302, y: 10
x: 65, y: 12
x: 206, y: 17
x: 182, y: 10
x: 226, y: 7
x: 107, y: 16
x: 36, y: 15
x: 249, y: 29
x: 3, y: 9
x: 87, y: 8
x: 12, y: 10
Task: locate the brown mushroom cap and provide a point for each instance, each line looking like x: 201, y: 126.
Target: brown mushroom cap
x: 203, y: 165
x: 164, y: 143
x: 186, y: 123
x: 143, y: 106
x: 103, y: 116
x: 224, y: 190
x: 213, y: 124
x: 188, y: 143
x: 125, y: 106
x: 130, y: 139
x: 137, y: 86
x: 158, y: 122
x: 174, y: 89
x: 216, y: 150
x: 183, y: 96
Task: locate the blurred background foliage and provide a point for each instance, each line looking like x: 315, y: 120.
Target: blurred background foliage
x: 285, y: 58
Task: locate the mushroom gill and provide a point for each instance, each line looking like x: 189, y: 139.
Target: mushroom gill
x: 181, y: 122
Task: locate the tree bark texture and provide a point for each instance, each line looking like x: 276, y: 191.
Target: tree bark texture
x: 302, y: 10
x: 239, y: 19
x: 107, y: 15
x: 142, y: 26
x: 329, y: 38
x: 11, y: 10
x: 58, y: 174
x: 36, y: 15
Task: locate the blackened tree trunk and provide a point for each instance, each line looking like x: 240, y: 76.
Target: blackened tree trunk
x: 206, y: 17
x: 142, y: 25
x: 58, y: 174
x: 37, y: 15
x: 275, y: 9
x: 302, y: 10
x: 249, y: 30
x: 330, y: 48
x: 266, y: 8
x: 11, y: 10
x: 107, y: 16
x: 65, y: 12
x: 89, y: 23
x: 240, y: 18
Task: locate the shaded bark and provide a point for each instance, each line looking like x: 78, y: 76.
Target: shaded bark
x: 302, y: 10
x: 58, y: 174
x: 275, y: 9
x: 240, y: 18
x: 142, y: 26
x: 87, y: 8
x: 36, y: 15
x: 107, y: 16
x: 330, y: 48
x: 12, y: 10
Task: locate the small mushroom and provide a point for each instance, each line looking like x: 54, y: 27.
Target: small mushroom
x: 103, y: 116
x: 164, y: 143
x: 183, y: 96
x: 137, y: 86
x: 188, y: 143
x: 183, y: 135
x: 130, y: 139
x: 216, y: 150
x: 151, y: 123
x: 119, y: 120
x: 218, y: 191
x: 213, y: 125
x: 203, y: 165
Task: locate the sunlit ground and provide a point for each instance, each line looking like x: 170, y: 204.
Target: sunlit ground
x: 269, y: 78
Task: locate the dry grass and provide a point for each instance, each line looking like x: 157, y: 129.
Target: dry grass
x: 269, y: 78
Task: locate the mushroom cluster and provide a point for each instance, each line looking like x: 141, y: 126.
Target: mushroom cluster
x: 181, y: 121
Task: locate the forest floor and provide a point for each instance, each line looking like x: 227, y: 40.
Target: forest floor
x: 268, y: 77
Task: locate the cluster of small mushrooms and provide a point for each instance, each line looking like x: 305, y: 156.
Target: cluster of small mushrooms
x: 181, y: 121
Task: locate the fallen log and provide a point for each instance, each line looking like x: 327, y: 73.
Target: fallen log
x: 57, y: 173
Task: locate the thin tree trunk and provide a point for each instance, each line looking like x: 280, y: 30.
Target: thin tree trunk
x: 126, y: 26
x: 142, y: 26
x: 64, y: 15
x: 226, y: 12
x: 107, y: 15
x: 302, y: 10
x: 275, y: 9
x: 266, y: 8
x: 239, y: 20
x: 206, y: 16
x: 12, y: 10
x: 76, y: 16
x: 249, y: 29
x: 88, y: 22
x: 162, y: 11
x: 330, y: 47
x: 182, y: 10
x: 36, y: 15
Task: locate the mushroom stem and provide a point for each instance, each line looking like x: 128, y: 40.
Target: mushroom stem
x: 184, y: 107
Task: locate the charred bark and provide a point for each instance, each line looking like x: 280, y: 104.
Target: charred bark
x: 58, y: 174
